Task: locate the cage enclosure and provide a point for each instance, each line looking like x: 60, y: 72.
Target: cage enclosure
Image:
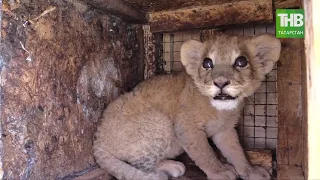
x: 63, y: 61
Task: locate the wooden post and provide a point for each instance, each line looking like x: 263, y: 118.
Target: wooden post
x: 289, y: 151
x: 246, y: 11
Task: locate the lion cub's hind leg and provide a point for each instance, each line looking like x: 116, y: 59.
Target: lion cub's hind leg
x: 157, y: 142
x: 137, y: 144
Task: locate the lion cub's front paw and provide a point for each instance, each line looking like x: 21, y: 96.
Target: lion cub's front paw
x: 257, y: 173
x: 174, y: 168
x: 227, y: 172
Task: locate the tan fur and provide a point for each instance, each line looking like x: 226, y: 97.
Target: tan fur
x: 167, y: 115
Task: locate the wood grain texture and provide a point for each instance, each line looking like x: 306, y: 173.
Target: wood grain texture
x: 304, y: 113
x: 57, y: 75
x: 289, y: 148
x: 212, y: 15
x: 119, y: 9
x: 289, y: 172
x: 305, y: 160
x: 167, y: 5
x: 284, y: 4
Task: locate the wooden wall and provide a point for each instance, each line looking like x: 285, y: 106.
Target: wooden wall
x: 61, y: 63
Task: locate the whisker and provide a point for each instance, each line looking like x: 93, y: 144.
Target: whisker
x: 246, y: 95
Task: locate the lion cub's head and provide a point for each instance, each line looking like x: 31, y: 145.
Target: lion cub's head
x: 229, y: 68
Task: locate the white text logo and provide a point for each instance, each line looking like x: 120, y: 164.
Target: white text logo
x: 295, y: 20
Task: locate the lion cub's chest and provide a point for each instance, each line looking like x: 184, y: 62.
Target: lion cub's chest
x: 220, y: 123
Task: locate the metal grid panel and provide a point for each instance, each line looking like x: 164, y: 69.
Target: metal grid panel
x: 258, y: 125
x: 172, y: 43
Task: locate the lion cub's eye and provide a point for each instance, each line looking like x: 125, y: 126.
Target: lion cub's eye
x: 207, y: 63
x: 241, y: 62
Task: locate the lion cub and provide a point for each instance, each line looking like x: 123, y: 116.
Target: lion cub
x: 143, y: 130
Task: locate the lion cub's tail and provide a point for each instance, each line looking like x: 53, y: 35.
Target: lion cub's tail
x: 123, y: 171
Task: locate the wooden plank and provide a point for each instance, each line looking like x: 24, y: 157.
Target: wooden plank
x: 312, y: 46
x: 260, y: 157
x: 305, y: 160
x: 289, y: 98
x: 283, y: 4
x: 304, y: 109
x: 289, y: 172
x: 156, y: 5
x: 304, y: 114
x: 119, y: 9
x: 246, y: 11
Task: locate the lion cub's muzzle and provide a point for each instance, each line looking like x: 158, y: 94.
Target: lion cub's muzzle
x: 221, y: 82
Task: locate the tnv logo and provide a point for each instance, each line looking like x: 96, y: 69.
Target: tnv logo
x: 290, y: 23
x: 295, y: 20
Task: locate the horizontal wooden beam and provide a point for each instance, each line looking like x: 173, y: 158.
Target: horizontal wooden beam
x: 283, y: 4
x: 119, y: 9
x: 246, y: 11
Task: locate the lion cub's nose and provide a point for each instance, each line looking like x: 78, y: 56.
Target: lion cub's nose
x: 221, y: 82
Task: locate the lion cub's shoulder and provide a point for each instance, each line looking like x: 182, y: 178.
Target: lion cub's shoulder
x: 163, y: 85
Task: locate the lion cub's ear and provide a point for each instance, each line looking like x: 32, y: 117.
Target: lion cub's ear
x: 265, y: 50
x: 191, y: 55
